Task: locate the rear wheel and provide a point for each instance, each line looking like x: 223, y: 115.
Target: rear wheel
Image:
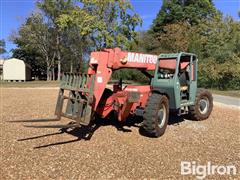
x: 203, y: 105
x: 155, y: 117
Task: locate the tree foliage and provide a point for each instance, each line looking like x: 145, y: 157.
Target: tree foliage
x: 219, y: 49
x: 196, y: 26
x: 188, y: 11
x: 36, y: 36
x: 63, y: 34
x: 108, y: 23
x: 52, y: 10
x: 2, y: 46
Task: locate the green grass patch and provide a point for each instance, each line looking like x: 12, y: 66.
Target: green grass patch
x: 32, y: 84
x: 26, y: 84
x: 232, y: 93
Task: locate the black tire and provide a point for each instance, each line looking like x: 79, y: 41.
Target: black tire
x: 203, y: 105
x: 155, y: 123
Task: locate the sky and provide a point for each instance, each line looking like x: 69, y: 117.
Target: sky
x: 13, y: 13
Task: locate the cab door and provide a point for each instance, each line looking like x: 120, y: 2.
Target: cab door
x: 187, y: 79
x: 193, y: 79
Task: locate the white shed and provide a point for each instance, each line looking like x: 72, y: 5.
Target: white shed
x: 16, y: 70
x: 1, y: 68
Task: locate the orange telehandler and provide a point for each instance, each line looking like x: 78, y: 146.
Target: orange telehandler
x: 173, y: 86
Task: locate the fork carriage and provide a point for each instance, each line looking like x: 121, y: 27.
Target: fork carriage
x: 79, y: 99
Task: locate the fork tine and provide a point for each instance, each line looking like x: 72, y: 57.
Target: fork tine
x: 35, y: 120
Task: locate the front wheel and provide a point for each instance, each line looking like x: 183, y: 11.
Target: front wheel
x: 156, y: 113
x: 203, y: 105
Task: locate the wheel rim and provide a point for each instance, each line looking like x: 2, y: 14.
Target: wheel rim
x: 162, y: 116
x: 203, y: 105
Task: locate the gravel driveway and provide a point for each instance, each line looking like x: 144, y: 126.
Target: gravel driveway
x: 111, y: 152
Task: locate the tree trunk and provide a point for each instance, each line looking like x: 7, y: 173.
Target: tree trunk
x: 58, y: 57
x: 53, y: 74
x: 80, y: 64
x: 71, y: 67
x: 59, y: 70
x: 48, y: 68
x: 48, y: 73
x: 80, y: 60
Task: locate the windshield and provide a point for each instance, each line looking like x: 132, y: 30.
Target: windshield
x: 166, y: 69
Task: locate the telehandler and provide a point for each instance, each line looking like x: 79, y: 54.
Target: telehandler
x: 173, y: 87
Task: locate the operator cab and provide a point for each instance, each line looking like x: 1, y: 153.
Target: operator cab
x: 174, y: 89
x: 175, y: 76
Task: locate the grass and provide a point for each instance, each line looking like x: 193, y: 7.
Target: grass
x: 29, y: 84
x: 32, y: 84
x: 232, y: 93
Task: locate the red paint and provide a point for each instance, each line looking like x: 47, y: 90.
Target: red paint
x: 102, y: 63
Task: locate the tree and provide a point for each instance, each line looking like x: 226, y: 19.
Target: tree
x: 197, y: 27
x: 53, y: 9
x: 36, y: 36
x: 177, y: 22
x: 108, y: 23
x: 2, y: 46
x: 188, y: 11
x: 219, y: 53
x: 145, y: 42
x: 65, y: 31
x: 74, y: 50
x: 177, y: 37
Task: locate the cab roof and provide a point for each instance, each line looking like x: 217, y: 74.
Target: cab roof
x: 174, y: 55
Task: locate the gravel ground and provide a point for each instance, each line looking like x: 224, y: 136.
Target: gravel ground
x: 30, y: 153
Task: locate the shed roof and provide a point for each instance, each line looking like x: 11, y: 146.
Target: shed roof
x: 15, y: 59
x: 1, y: 61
